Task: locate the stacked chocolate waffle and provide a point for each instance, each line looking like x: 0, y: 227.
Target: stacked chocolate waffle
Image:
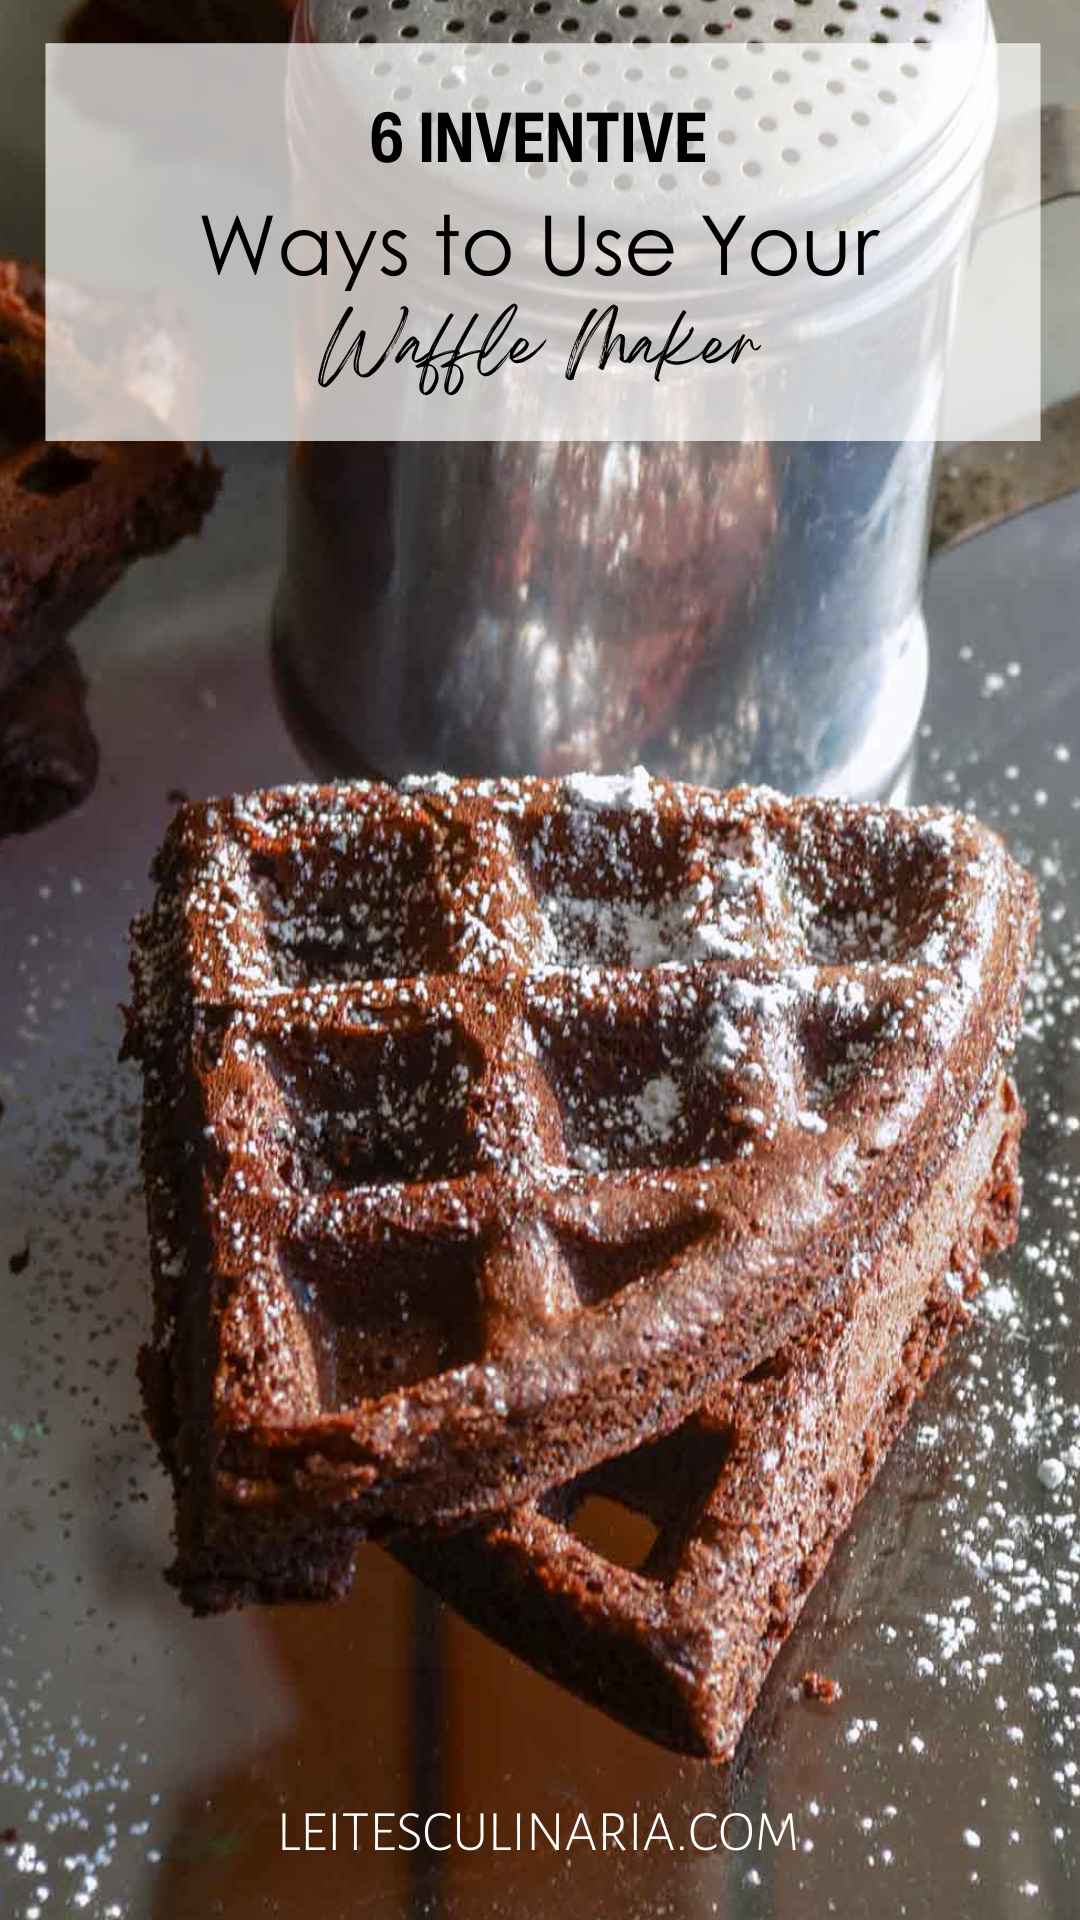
x: 508, y: 1143
x: 73, y: 516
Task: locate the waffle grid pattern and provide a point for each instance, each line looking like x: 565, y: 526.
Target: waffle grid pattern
x: 672, y: 1625
x: 475, y: 1057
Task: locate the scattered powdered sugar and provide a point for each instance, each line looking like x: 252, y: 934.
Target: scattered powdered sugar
x: 621, y: 792
x: 847, y: 995
x: 620, y: 933
x: 442, y: 786
x: 657, y: 1107
x: 999, y: 1548
x: 724, y: 1043
x: 766, y: 999
x: 713, y: 942
x: 940, y: 832
x: 953, y: 1607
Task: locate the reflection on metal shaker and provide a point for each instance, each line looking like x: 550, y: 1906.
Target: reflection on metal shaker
x: 720, y: 612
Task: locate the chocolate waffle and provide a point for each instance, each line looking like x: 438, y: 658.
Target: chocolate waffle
x: 73, y: 515
x: 48, y: 753
x: 489, y: 1125
x: 668, y: 1606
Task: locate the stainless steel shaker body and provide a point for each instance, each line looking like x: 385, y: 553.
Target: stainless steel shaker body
x: 720, y: 612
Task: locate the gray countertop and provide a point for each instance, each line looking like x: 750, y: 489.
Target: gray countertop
x: 145, y: 1758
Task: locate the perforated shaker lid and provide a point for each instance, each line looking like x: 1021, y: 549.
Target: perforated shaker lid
x: 827, y: 110
x: 648, y: 22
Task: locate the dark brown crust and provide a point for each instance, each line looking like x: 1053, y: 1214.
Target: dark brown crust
x: 690, y: 1278
x: 73, y: 515
x: 679, y: 1650
x: 48, y: 753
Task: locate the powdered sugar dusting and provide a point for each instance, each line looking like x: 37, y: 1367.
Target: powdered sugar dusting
x: 623, y: 792
x: 86, y: 1794
x: 657, y: 1106
x: 828, y: 920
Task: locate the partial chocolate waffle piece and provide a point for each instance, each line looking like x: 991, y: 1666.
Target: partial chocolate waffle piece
x: 73, y: 515
x: 489, y: 1125
x: 48, y: 753
x: 660, y: 1586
